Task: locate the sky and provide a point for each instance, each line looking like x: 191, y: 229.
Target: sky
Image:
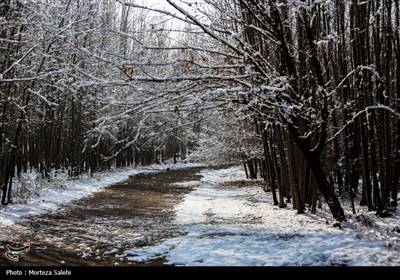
x: 162, y: 5
x: 159, y: 4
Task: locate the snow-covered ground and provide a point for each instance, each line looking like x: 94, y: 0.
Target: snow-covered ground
x: 224, y: 225
x: 35, y: 196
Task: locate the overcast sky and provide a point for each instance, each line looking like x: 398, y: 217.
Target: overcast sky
x: 158, y: 4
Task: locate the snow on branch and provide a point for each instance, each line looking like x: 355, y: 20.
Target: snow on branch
x: 18, y: 61
x: 358, y: 69
x: 365, y: 111
x: 43, y: 98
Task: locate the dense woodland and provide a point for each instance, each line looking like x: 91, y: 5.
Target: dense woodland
x: 306, y: 94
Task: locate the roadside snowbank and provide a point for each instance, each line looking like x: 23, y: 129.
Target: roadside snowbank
x: 46, y: 196
x: 230, y: 226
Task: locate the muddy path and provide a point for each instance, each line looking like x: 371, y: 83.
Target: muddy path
x: 95, y: 230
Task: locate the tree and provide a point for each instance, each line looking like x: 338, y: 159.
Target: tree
x: 279, y: 90
x: 305, y: 93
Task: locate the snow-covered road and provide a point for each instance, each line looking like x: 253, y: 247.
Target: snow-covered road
x: 97, y: 228
x: 225, y: 225
x: 222, y: 220
x: 47, y: 195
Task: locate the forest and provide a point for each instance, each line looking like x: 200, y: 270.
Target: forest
x: 305, y: 95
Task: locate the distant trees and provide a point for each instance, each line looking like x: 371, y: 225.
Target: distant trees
x: 76, y: 90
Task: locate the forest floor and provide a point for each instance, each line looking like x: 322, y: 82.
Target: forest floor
x: 199, y: 217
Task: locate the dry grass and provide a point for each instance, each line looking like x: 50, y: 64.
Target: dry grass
x: 244, y: 183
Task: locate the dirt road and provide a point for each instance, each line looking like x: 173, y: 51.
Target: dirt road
x: 96, y: 229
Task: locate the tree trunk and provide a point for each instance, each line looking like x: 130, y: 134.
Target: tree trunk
x: 326, y: 189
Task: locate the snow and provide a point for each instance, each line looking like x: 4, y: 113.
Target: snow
x: 49, y: 196
x: 223, y: 225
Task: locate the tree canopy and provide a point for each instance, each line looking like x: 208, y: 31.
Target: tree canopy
x: 305, y: 93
